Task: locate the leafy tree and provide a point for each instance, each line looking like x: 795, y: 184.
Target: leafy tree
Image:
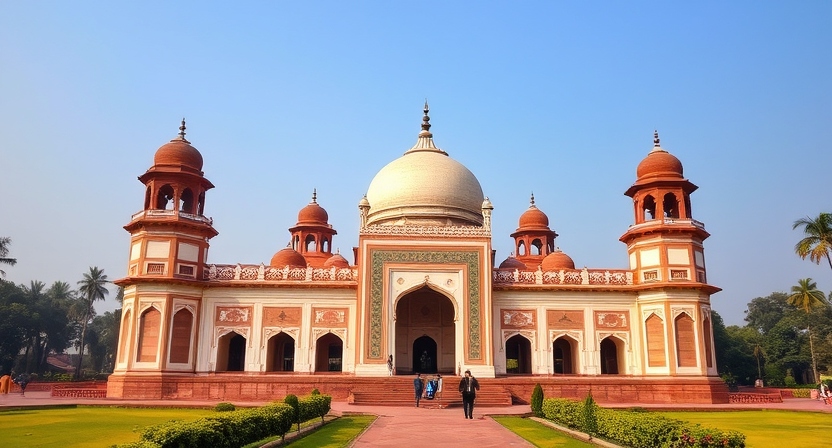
x: 806, y: 296
x: 764, y: 312
x: 5, y: 242
x: 91, y: 288
x: 537, y: 400
x: 817, y: 241
x: 103, y: 340
x: 15, y: 320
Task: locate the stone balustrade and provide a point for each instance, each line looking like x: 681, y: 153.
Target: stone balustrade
x: 263, y: 273
x: 563, y: 277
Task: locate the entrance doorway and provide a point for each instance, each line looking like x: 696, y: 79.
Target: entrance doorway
x: 424, y: 355
x: 329, y: 353
x: 518, y: 355
x: 231, y: 353
x: 562, y: 349
x: 425, y: 333
x: 609, y: 356
x: 280, y: 355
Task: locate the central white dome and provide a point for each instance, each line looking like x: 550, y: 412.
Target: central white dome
x: 425, y: 187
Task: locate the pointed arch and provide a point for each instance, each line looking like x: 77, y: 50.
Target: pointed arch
x: 521, y: 248
x: 329, y: 353
x: 536, y: 247
x: 187, y: 201
x: 180, y: 339
x: 310, y: 244
x: 670, y: 206
x: 648, y: 208
x: 231, y: 352
x: 564, y: 353
x: 612, y: 355
x: 518, y: 355
x: 654, y: 330
x: 685, y: 340
x: 280, y: 353
x: 149, y: 326
x: 164, y: 197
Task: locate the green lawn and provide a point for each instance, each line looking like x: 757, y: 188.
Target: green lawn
x: 764, y: 429
x: 539, y: 435
x: 84, y: 427
x: 335, y: 434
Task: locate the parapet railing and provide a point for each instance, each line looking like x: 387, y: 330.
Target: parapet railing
x: 563, y: 277
x: 170, y: 213
x: 263, y: 273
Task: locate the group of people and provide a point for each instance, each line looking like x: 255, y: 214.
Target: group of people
x: 468, y: 387
x: 824, y: 394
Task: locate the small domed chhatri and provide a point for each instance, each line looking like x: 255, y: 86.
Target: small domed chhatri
x: 178, y: 152
x: 337, y: 261
x: 313, y: 213
x: 533, y: 218
x: 556, y: 261
x: 512, y: 263
x: 288, y: 257
x: 659, y: 163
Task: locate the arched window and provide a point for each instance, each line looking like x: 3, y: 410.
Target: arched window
x: 655, y: 341
x: 706, y: 333
x: 187, y: 201
x: 149, y: 327
x: 649, y: 208
x: 521, y: 248
x: 537, y: 247
x: 164, y: 198
x: 180, y: 339
x: 310, y: 244
x: 685, y: 341
x: 201, y: 207
x: 670, y: 206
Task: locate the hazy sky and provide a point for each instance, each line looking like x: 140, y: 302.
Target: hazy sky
x: 556, y: 98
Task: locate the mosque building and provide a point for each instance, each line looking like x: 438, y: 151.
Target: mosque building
x: 423, y: 287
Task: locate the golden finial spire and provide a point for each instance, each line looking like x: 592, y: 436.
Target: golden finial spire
x: 656, y: 139
x: 314, y: 196
x: 426, y: 118
x: 531, y: 202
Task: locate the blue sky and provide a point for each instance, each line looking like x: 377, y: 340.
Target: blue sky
x: 556, y: 98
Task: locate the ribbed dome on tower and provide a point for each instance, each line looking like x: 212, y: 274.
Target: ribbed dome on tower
x: 313, y: 213
x: 533, y: 218
x: 178, y: 152
x: 425, y: 186
x: 557, y: 260
x: 659, y: 163
x: 512, y: 263
x: 288, y: 257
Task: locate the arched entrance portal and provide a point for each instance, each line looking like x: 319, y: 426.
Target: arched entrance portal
x: 424, y: 355
x: 518, y: 355
x: 280, y: 356
x: 231, y: 353
x: 609, y: 356
x: 329, y: 352
x: 563, y: 354
x: 425, y: 333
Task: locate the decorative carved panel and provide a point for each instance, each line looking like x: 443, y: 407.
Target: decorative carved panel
x: 233, y: 315
x: 329, y: 317
x: 278, y: 316
x: 565, y: 319
x: 612, y: 319
x: 518, y: 319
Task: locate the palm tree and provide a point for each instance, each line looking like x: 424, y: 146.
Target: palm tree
x: 91, y: 288
x: 806, y: 296
x: 759, y: 353
x: 5, y: 242
x: 817, y: 242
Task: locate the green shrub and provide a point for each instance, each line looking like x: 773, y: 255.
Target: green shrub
x: 789, y: 381
x: 292, y: 400
x: 225, y: 407
x: 802, y: 393
x: 227, y: 430
x: 637, y: 429
x: 315, y: 391
x: 314, y: 406
x: 589, y: 421
x: 537, y: 400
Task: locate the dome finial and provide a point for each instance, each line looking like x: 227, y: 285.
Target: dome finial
x: 531, y: 202
x: 426, y: 118
x: 314, y: 196
x: 656, y: 139
x: 182, y: 129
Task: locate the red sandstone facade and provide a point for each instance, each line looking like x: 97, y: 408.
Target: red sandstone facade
x: 423, y: 287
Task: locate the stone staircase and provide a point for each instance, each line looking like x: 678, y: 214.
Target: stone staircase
x: 398, y: 391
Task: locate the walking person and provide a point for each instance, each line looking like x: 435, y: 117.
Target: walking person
x: 390, y: 365
x: 418, y: 387
x: 439, y: 389
x: 468, y: 387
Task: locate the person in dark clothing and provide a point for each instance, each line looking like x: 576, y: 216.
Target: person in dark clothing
x: 468, y: 387
x: 418, y: 386
x: 22, y: 380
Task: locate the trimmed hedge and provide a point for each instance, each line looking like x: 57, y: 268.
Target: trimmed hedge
x: 637, y: 429
x: 232, y: 429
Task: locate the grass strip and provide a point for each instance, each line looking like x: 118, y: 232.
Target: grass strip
x: 335, y: 434
x: 539, y: 435
x: 85, y: 426
x: 770, y: 428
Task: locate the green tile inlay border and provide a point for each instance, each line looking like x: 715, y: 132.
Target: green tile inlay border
x: 469, y: 258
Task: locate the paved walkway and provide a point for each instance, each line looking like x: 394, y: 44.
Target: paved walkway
x: 429, y: 425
